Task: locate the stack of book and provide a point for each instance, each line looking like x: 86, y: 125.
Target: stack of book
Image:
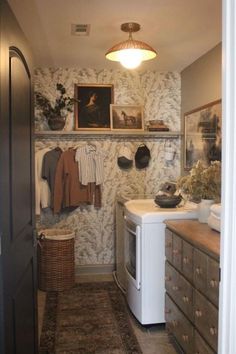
x: 157, y: 126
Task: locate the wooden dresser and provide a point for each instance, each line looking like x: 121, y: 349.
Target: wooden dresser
x: 192, y: 285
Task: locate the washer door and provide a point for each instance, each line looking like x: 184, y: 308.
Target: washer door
x: 133, y: 252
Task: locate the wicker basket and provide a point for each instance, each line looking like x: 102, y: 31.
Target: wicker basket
x: 56, y: 269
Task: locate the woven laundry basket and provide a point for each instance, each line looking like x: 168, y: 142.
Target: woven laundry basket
x: 56, y: 260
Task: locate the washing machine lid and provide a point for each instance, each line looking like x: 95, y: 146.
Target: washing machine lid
x: 146, y: 211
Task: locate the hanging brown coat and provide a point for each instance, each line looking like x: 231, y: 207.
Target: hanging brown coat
x: 68, y: 191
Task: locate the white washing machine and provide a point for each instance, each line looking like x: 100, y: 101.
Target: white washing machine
x: 145, y: 256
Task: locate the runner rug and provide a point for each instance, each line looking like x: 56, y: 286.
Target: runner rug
x: 90, y: 318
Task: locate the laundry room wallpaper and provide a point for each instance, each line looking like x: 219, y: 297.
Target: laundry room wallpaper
x: 159, y: 94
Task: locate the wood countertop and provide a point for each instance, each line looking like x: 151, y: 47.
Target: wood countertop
x: 198, y: 234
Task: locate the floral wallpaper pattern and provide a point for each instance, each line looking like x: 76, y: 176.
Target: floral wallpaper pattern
x: 159, y: 93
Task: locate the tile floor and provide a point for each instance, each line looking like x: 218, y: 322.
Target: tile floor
x: 153, y: 339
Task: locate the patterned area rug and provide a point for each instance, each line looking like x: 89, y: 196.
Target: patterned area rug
x: 90, y: 318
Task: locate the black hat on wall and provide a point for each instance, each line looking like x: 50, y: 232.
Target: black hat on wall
x: 124, y: 159
x: 142, y: 157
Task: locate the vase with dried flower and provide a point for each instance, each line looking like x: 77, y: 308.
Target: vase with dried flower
x: 55, y: 114
x: 202, y: 185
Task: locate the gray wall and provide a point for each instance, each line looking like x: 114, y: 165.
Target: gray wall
x: 201, y: 82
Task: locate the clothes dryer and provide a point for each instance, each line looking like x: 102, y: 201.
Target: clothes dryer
x: 145, y: 256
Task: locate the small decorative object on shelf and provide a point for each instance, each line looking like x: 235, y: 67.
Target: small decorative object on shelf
x: 56, y: 114
x: 157, y: 125
x: 202, y: 185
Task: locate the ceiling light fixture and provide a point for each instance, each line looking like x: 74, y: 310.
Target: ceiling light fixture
x: 131, y: 53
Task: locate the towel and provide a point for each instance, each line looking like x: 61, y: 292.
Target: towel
x: 216, y: 209
x: 215, y: 216
x: 213, y: 222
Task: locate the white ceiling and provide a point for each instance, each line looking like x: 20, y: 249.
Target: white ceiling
x: 180, y: 30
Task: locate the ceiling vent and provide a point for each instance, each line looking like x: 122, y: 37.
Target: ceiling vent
x: 80, y: 30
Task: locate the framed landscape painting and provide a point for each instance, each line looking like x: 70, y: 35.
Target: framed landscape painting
x: 92, y: 107
x: 126, y: 117
x: 202, y: 137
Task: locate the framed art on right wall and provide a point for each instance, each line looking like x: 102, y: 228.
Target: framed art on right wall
x: 202, y: 134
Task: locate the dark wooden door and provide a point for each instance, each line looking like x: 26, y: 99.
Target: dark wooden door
x: 18, y: 312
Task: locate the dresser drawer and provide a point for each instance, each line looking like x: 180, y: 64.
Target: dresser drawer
x: 185, y: 333
x: 170, y: 315
x: 170, y: 277
x: 179, y: 326
x: 168, y: 245
x: 200, y: 270
x: 185, y: 300
x: 187, y: 260
x: 200, y: 346
x: 177, y: 252
x: 180, y: 290
x: 206, y: 319
x: 206, y: 275
x: 213, y: 281
x: 172, y: 281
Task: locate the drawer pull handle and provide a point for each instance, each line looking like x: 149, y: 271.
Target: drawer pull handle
x: 174, y: 323
x: 198, y: 313
x: 168, y: 278
x: 175, y: 252
x: 213, y: 331
x: 199, y: 270
x: 186, y: 260
x: 213, y: 283
x: 185, y: 337
x: 185, y: 299
x: 175, y: 288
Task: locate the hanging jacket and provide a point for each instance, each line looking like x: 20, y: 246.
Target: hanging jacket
x: 50, y: 161
x: 68, y: 191
x: 42, y: 191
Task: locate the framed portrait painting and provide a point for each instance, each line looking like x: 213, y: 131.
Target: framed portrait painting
x: 202, y: 136
x: 126, y: 117
x: 92, y: 107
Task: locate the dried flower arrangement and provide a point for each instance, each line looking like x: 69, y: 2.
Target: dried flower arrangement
x: 202, y: 182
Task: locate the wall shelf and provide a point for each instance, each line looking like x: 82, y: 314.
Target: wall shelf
x: 84, y: 134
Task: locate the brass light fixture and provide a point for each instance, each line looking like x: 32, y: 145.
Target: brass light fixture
x: 131, y: 53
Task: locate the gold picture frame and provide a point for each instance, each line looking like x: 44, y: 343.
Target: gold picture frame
x: 202, y: 134
x: 92, y: 107
x: 126, y: 117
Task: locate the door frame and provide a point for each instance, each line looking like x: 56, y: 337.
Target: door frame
x: 227, y: 305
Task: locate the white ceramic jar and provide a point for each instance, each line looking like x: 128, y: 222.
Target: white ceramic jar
x: 204, y: 210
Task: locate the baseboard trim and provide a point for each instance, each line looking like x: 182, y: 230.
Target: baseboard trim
x: 94, y: 269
